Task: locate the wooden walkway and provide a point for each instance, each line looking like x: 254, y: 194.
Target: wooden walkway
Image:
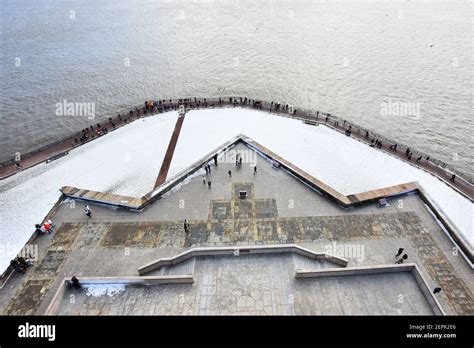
x: 165, y: 166
x: 103, y: 198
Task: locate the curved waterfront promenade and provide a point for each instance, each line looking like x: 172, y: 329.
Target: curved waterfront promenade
x: 462, y: 183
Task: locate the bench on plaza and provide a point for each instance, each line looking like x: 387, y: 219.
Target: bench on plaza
x: 312, y: 123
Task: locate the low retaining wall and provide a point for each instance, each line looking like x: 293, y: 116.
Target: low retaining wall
x: 367, y: 270
x: 132, y: 280
x: 239, y: 251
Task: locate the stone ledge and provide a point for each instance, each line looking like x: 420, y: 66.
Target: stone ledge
x: 128, y: 280
x: 240, y: 251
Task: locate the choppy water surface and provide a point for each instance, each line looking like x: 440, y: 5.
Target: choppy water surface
x: 350, y: 59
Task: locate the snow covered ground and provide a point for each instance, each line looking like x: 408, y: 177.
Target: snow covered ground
x: 128, y: 160
x: 98, y: 290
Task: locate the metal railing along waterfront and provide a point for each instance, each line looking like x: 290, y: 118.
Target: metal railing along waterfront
x: 403, y: 147
x: 288, y: 110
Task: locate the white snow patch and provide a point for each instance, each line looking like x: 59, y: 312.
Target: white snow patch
x: 98, y: 290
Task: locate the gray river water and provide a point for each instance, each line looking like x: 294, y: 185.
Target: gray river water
x: 401, y: 68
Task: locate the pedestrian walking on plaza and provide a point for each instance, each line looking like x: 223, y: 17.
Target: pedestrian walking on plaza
x: 88, y: 211
x: 215, y: 159
x: 400, y: 251
x: 254, y: 170
x: 186, y: 226
x: 230, y: 174
x: 209, y: 184
x: 204, y: 180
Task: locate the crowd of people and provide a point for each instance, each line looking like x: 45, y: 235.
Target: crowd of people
x: 90, y: 132
x: 46, y: 227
